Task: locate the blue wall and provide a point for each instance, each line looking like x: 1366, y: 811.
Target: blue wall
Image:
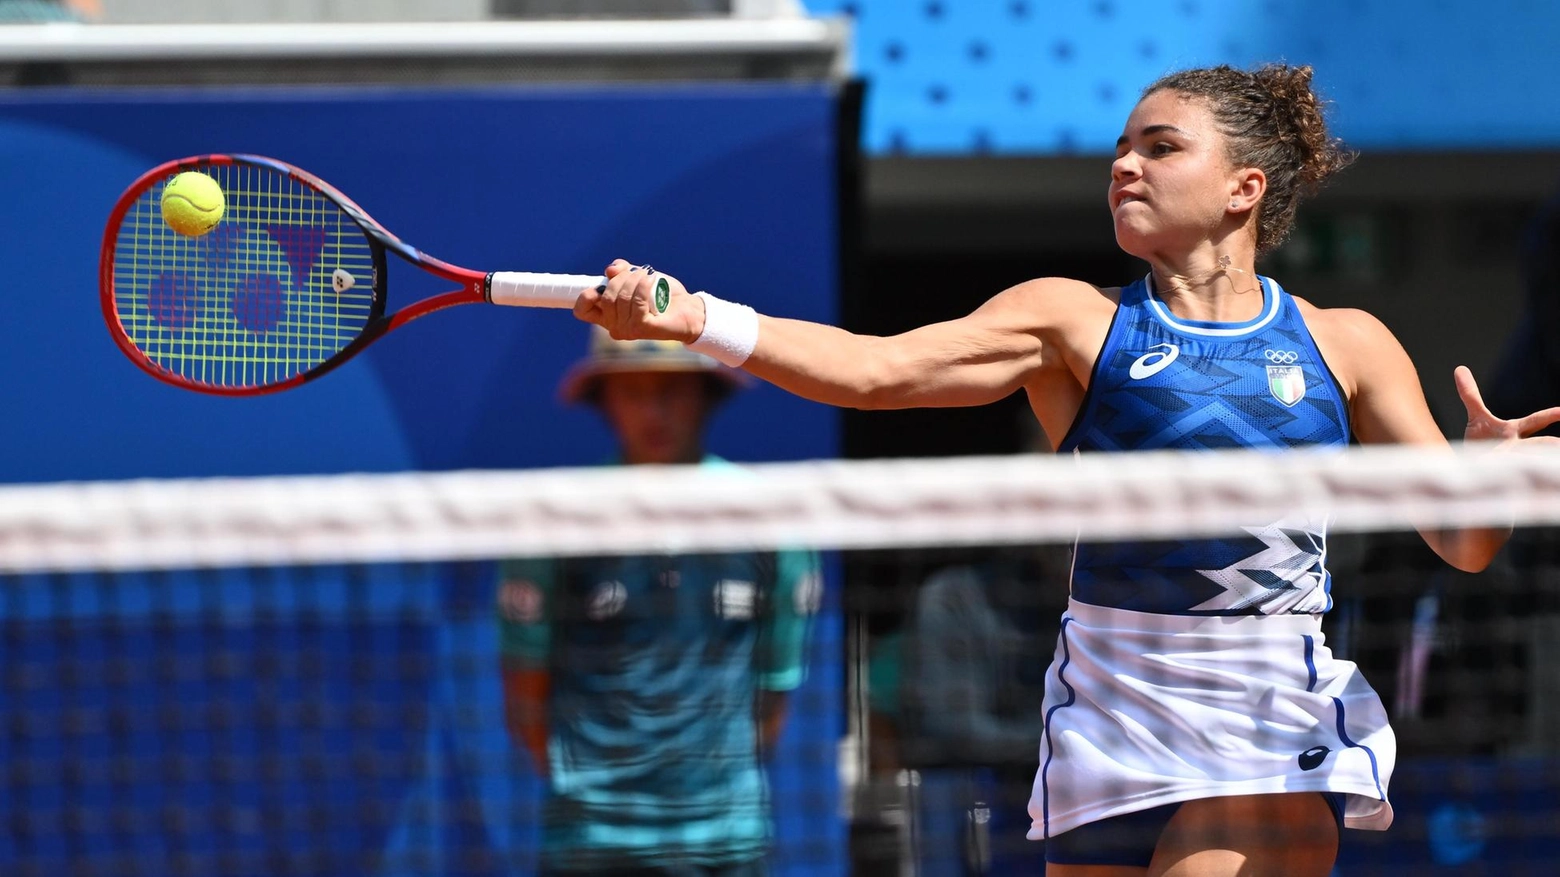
x: 1059, y: 76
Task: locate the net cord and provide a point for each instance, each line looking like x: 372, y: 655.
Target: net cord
x: 827, y: 505
x: 652, y: 39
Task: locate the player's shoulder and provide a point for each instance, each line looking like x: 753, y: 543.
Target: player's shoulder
x: 1063, y: 288
x: 1358, y: 347
x: 1352, y: 327
x: 1054, y: 299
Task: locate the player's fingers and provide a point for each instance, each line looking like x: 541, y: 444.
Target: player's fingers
x: 617, y: 267
x: 638, y: 307
x: 588, y: 306
x: 603, y: 306
x: 619, y: 285
x: 1468, y: 389
x: 1538, y: 420
x: 624, y: 305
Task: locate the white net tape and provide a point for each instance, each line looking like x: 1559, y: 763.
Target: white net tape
x: 827, y: 505
x: 72, y: 42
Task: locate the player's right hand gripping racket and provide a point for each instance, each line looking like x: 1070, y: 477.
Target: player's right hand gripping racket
x: 289, y: 285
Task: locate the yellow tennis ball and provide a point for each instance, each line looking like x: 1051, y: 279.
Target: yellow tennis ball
x: 193, y: 203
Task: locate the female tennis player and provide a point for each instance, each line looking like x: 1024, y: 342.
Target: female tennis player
x: 1195, y: 721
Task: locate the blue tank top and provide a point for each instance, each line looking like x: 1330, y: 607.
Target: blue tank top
x: 1165, y: 383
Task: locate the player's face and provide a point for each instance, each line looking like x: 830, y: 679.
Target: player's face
x: 658, y: 416
x: 1171, y: 181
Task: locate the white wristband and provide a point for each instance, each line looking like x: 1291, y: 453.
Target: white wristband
x: 730, y: 331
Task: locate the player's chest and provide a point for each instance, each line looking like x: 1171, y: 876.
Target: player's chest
x: 1158, y: 389
x: 1280, y: 364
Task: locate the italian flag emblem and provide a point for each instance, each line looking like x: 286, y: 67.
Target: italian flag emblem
x: 1286, y: 383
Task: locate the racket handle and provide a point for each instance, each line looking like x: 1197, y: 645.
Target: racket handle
x: 526, y: 290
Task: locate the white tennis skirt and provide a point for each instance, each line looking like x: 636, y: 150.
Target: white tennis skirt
x: 1145, y: 709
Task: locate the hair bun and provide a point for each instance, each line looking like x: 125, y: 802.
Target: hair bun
x: 1299, y: 118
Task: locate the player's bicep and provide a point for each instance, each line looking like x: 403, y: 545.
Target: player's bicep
x: 974, y: 360
x: 960, y: 363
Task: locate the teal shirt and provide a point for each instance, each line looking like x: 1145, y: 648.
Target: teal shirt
x: 654, y: 663
x: 32, y: 11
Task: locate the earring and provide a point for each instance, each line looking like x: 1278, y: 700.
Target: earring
x: 1234, y: 204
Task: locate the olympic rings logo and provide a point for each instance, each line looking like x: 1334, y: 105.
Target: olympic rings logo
x: 1281, y: 357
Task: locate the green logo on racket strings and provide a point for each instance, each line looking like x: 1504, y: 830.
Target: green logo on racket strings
x: 663, y: 295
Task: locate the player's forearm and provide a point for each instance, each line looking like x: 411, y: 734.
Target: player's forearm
x: 970, y: 361
x: 943, y: 365
x: 822, y: 363
x: 1468, y: 550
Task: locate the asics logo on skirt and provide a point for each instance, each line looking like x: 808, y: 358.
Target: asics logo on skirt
x: 1312, y: 758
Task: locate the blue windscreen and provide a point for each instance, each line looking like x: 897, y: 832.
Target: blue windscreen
x: 1039, y: 78
x: 730, y: 188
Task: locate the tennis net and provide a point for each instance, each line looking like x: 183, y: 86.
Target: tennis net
x: 372, y: 674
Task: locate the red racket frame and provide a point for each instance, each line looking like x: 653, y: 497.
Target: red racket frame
x: 474, y: 284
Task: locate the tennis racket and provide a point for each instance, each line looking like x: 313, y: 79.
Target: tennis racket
x: 289, y: 285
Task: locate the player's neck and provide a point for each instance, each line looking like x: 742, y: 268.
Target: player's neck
x: 1210, y: 286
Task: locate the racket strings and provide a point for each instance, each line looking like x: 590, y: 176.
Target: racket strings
x: 252, y: 302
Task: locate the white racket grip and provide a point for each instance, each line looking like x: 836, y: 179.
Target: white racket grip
x: 523, y: 289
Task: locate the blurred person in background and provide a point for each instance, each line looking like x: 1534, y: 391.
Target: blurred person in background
x: 648, y: 690
x: 31, y: 11
x: 34, y: 73
x: 971, y: 688
x: 598, y: 9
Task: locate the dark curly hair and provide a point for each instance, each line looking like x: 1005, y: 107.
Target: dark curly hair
x: 1274, y: 122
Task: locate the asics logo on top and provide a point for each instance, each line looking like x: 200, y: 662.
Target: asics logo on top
x: 1154, y: 361
x: 1281, y: 357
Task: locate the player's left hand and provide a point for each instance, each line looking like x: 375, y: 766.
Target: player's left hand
x: 641, y: 302
x: 1484, y: 426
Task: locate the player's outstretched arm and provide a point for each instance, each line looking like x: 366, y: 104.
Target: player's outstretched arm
x: 969, y: 361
